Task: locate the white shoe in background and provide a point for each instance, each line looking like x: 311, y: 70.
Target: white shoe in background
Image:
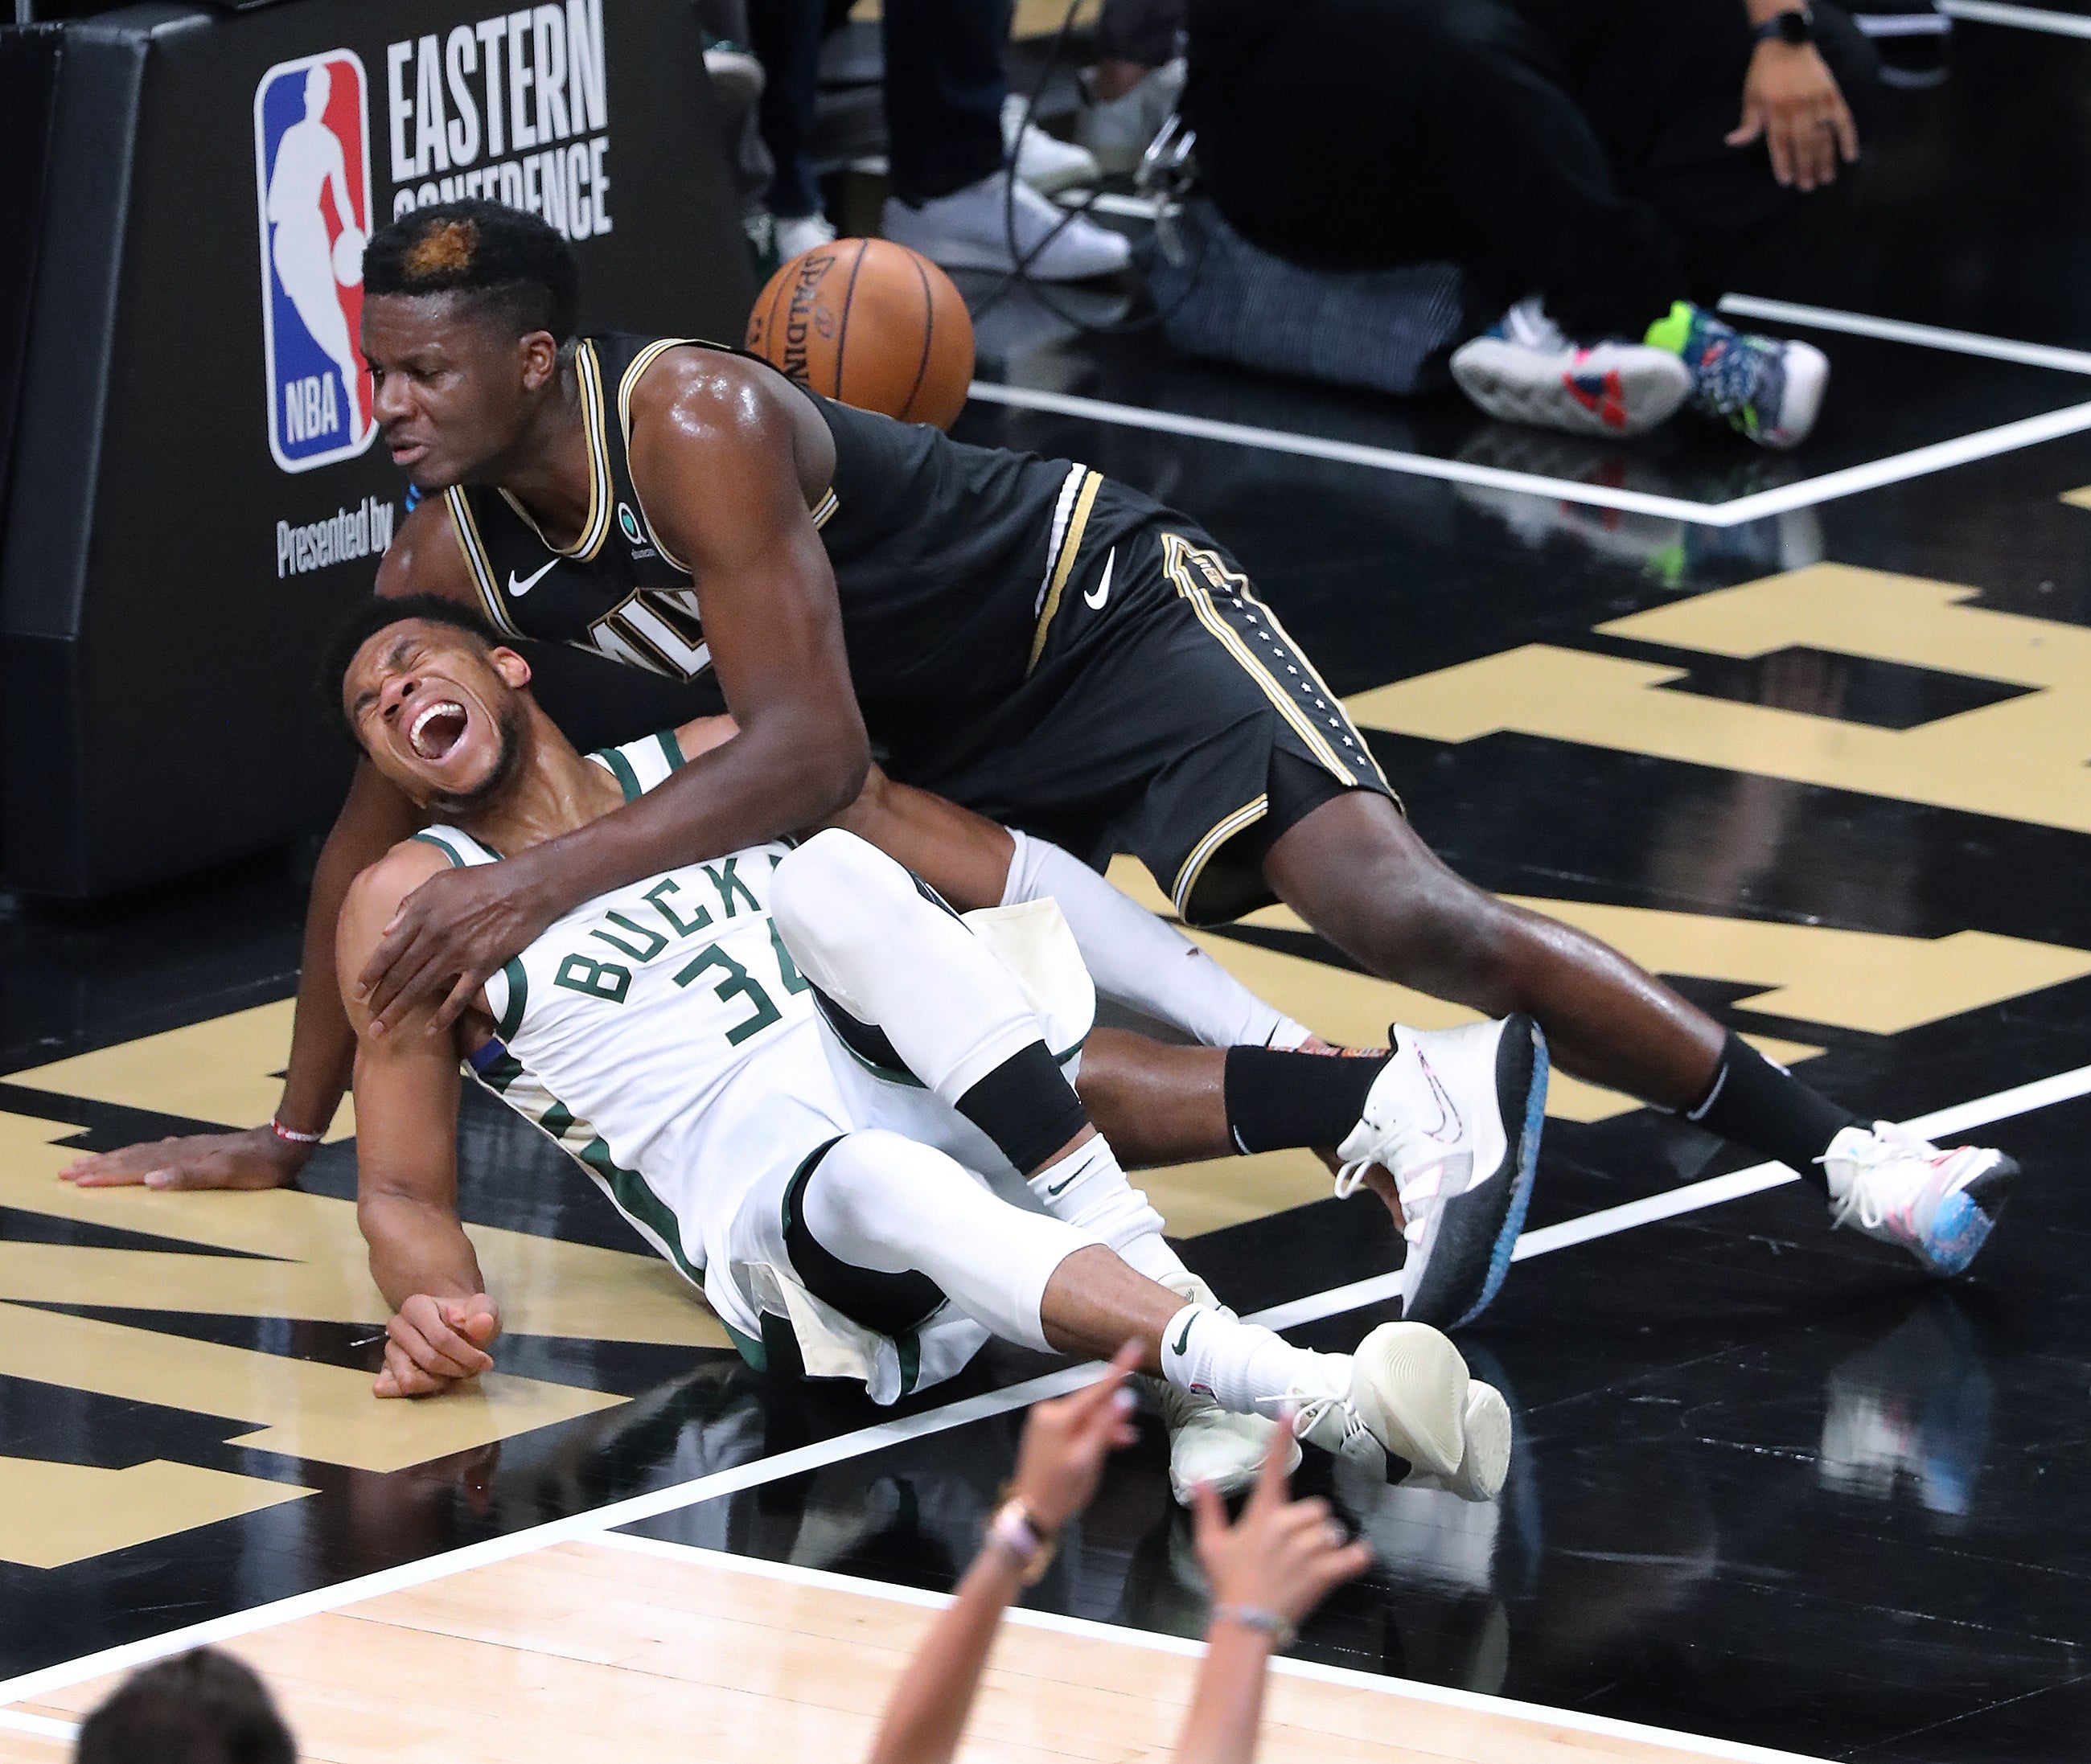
x: 966, y: 230
x: 798, y: 233
x: 1044, y: 161
x: 1117, y: 131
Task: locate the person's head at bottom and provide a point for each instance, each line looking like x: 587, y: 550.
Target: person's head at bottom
x: 202, y: 1707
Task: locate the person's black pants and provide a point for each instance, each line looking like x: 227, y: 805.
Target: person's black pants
x: 1570, y: 148
x: 944, y: 89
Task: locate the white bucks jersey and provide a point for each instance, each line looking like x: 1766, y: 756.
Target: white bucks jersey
x: 629, y: 1023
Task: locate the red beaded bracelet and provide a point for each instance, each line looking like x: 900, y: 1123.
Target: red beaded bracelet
x: 291, y: 1136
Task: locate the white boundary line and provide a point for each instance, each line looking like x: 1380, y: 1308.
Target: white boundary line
x: 2020, y: 1099
x: 1379, y: 1684
x: 2020, y: 18
x: 1824, y: 318
x: 1875, y: 474
x: 42, y: 1726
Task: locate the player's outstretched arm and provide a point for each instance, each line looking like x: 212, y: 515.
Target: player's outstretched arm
x: 407, y: 1108
x: 1266, y: 1571
x: 1062, y: 1456
x: 715, y: 455
x: 423, y: 559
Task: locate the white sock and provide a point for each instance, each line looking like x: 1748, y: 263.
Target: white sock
x: 1248, y: 1369
x: 1141, y: 960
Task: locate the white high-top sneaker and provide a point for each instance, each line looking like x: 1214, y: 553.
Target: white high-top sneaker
x: 1405, y: 1394
x: 1454, y: 1119
x: 1939, y: 1206
x: 1208, y: 1443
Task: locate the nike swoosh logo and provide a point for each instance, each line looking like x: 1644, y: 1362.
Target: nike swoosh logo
x: 1449, y: 1127
x: 517, y: 590
x: 1097, y: 599
x: 1183, y: 1336
x: 1054, y: 1189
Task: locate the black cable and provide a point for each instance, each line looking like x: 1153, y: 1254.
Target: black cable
x: 1019, y: 275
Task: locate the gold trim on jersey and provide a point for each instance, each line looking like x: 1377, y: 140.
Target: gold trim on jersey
x: 1177, y: 555
x: 1202, y: 854
x: 464, y: 526
x: 588, y: 370
x: 1061, y: 564
x: 823, y: 511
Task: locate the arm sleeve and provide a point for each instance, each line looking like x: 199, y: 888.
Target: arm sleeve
x: 1138, y: 960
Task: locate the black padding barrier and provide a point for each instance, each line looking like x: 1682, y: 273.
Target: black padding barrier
x: 195, y: 497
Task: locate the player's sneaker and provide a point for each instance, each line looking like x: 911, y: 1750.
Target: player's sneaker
x: 1117, y: 131
x: 1767, y: 388
x: 1208, y: 1443
x: 1405, y: 1394
x: 967, y: 231
x: 1454, y: 1118
x: 1524, y: 370
x: 1939, y: 1206
x: 1044, y: 161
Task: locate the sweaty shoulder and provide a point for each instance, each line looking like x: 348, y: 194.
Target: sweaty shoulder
x: 690, y: 402
x: 424, y: 558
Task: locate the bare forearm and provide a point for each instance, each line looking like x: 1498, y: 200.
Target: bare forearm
x: 771, y: 780
x: 415, y: 1248
x: 322, y: 1044
x: 1227, y: 1705
x: 927, y: 1716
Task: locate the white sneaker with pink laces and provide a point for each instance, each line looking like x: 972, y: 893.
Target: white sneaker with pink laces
x: 1938, y: 1205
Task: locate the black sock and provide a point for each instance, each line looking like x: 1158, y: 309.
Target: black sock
x: 1026, y: 1107
x: 1278, y: 1100
x: 1769, y: 1109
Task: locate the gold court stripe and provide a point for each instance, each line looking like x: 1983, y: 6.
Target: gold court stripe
x: 1202, y: 854
x: 1070, y: 547
x: 1208, y: 616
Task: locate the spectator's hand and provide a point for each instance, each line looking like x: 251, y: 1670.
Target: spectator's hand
x: 1282, y: 1556
x: 1791, y: 98
x: 258, y: 1158
x: 1064, y: 1443
x: 436, y: 1343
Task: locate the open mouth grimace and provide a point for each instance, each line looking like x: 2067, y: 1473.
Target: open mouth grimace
x: 437, y: 730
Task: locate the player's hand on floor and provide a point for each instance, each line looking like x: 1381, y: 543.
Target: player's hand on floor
x: 258, y: 1158
x: 435, y: 1343
x: 448, y: 935
x: 1281, y: 1555
x: 1066, y: 1442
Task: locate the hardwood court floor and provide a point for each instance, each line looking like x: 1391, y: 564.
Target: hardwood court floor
x: 602, y: 1650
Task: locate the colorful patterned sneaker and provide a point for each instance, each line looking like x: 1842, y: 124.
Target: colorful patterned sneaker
x: 1525, y: 371
x: 1769, y: 389
x: 1454, y: 1118
x: 1937, y: 1205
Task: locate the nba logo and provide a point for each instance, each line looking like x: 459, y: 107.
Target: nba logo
x: 312, y: 169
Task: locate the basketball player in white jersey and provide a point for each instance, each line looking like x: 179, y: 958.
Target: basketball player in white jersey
x: 768, y: 1062
x: 308, y: 161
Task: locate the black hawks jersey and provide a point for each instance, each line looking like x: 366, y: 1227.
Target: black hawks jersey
x: 946, y: 557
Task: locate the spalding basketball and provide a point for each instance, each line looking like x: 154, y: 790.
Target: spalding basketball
x: 871, y: 324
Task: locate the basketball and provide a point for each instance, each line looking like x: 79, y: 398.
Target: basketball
x: 871, y: 324
x: 348, y: 245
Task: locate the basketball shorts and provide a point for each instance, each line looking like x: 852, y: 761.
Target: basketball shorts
x: 1165, y: 712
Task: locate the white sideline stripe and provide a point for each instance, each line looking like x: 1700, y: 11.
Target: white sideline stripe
x: 1824, y: 318
x: 43, y: 1726
x: 1938, y: 457
x: 1380, y: 1684
x: 2020, y: 1099
x: 1347, y: 452
x: 2022, y: 18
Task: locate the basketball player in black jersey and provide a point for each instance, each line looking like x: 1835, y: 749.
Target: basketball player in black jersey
x: 1021, y: 635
